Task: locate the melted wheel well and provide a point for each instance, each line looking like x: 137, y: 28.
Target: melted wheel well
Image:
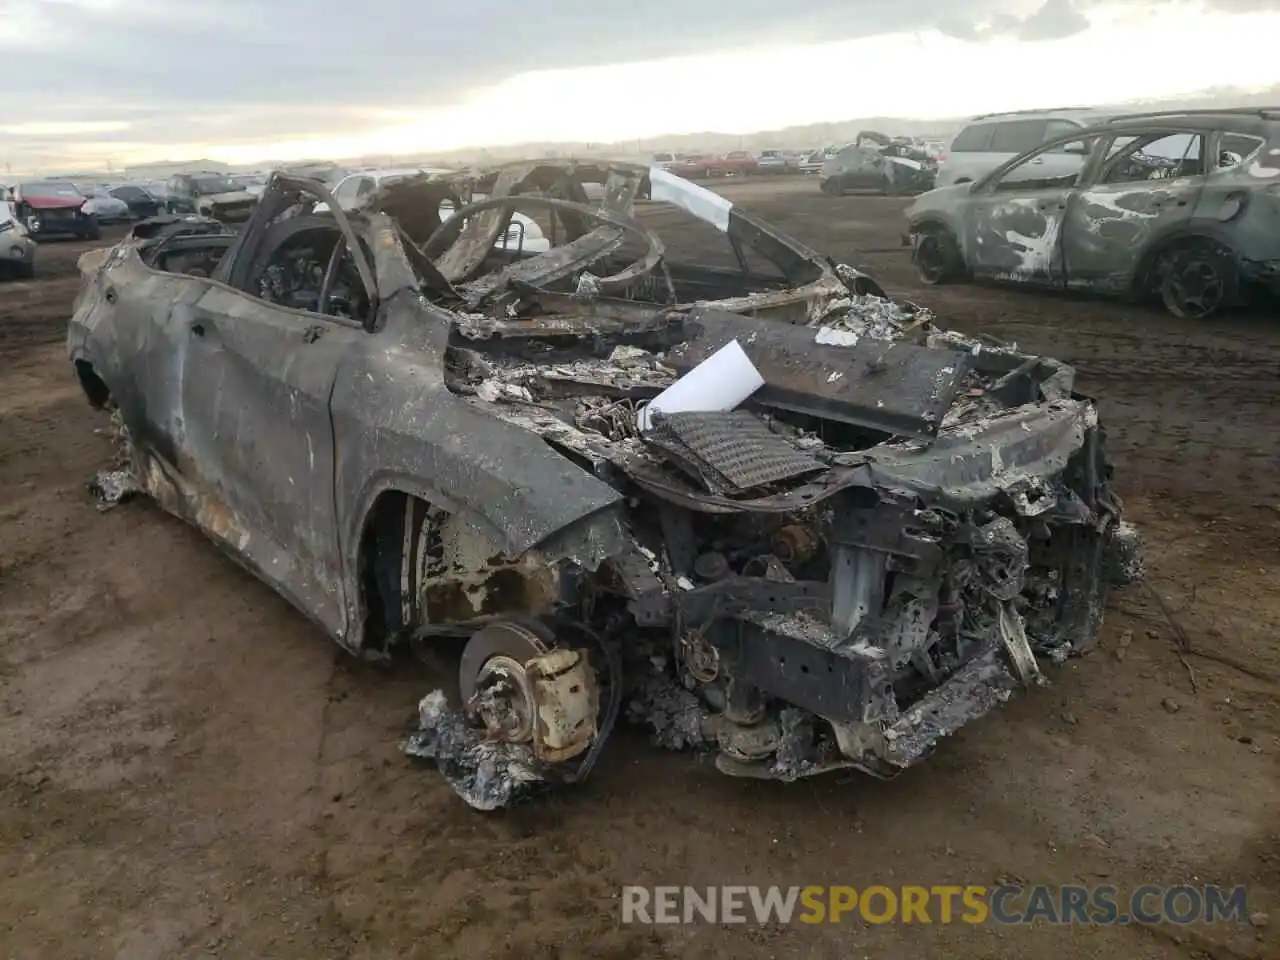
x: 379, y: 567
x: 420, y: 565
x: 97, y: 392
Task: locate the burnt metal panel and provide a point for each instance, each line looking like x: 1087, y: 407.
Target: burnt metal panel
x: 844, y: 688
x: 894, y: 387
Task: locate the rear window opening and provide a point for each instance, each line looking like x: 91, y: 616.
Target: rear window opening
x: 974, y: 138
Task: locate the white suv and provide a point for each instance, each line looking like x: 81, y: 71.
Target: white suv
x: 995, y: 138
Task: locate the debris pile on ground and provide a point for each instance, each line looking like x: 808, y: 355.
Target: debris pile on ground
x: 673, y: 714
x: 1125, y: 562
x: 117, y: 484
x: 486, y: 774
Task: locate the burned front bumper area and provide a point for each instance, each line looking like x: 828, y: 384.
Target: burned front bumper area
x: 881, y: 546
x: 942, y: 581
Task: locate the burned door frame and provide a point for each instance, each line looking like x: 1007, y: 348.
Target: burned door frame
x: 257, y: 407
x: 991, y: 217
x: 1110, y: 227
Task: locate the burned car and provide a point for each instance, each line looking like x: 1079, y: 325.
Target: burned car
x: 894, y: 166
x: 1176, y: 206
x: 761, y: 508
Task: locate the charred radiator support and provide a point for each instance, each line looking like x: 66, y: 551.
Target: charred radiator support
x: 857, y: 576
x: 857, y: 586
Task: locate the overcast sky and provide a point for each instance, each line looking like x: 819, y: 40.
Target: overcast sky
x: 90, y: 81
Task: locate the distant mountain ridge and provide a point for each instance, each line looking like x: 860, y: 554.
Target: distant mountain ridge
x: 798, y: 137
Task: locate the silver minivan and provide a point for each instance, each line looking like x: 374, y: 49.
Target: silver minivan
x: 994, y: 138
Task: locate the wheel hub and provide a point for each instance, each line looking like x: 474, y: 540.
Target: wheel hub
x: 1195, y: 286
x: 494, y: 680
x: 525, y: 689
x: 504, y: 700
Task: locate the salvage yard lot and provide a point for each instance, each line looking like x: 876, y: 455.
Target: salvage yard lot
x: 190, y: 769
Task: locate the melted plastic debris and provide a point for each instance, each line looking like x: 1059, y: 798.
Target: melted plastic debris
x: 487, y: 775
x: 114, y: 486
x: 673, y: 713
x: 118, y: 484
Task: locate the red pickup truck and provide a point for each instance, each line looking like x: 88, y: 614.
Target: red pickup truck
x: 691, y: 165
x: 738, y: 163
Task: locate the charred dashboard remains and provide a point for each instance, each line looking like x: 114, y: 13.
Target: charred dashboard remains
x: 769, y: 513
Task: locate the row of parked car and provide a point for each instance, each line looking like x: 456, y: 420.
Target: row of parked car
x: 34, y: 210
x: 49, y: 208
x: 896, y: 165
x: 698, y: 166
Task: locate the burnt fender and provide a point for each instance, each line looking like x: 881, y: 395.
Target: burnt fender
x: 398, y: 428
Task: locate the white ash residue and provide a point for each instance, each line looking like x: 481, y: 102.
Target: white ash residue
x: 1124, y: 561
x: 588, y: 286
x: 493, y: 391
x: 625, y: 367
x: 487, y: 775
x: 846, y: 320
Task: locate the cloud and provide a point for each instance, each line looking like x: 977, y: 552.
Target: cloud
x: 1056, y: 19
x: 209, y: 52
x: 1050, y: 20
x: 245, y: 71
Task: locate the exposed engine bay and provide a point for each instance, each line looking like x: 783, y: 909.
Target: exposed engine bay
x: 879, y: 546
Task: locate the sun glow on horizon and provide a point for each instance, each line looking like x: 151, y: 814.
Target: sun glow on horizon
x: 1126, y: 55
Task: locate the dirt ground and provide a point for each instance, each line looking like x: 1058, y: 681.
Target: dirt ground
x: 188, y: 768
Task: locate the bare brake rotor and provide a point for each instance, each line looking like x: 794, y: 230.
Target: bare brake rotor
x: 493, y: 680
x: 524, y: 689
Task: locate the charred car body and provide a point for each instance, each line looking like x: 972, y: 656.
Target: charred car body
x: 415, y: 435
x: 894, y: 166
x: 1179, y: 206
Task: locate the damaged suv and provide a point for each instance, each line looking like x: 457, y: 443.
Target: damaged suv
x: 759, y: 507
x: 1180, y: 206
